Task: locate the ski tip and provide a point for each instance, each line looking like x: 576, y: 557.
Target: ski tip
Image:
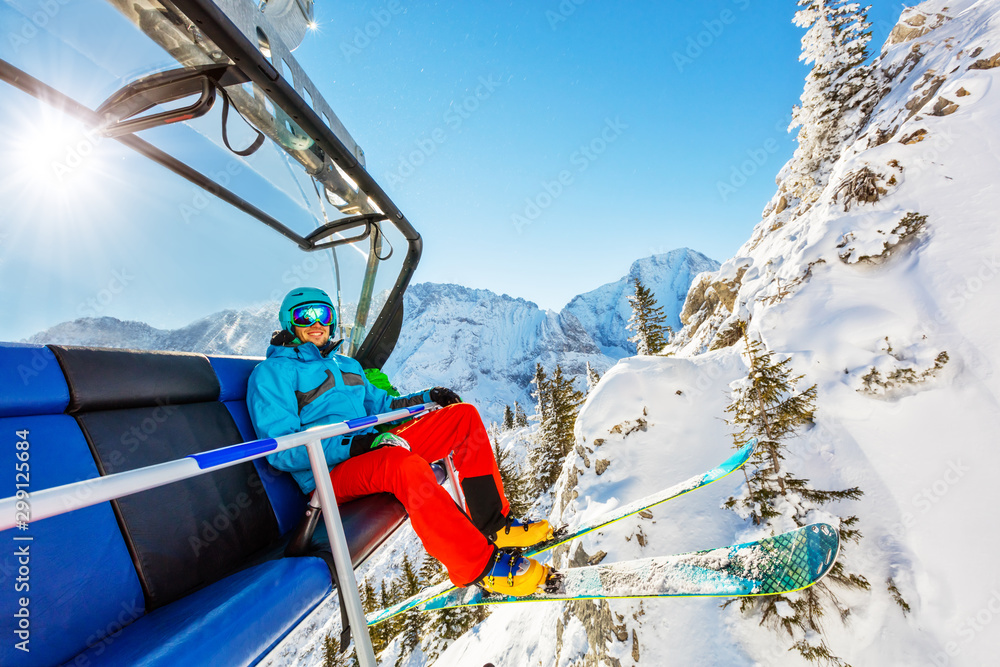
x: 825, y: 543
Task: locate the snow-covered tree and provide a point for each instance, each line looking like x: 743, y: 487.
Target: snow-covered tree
x: 540, y: 393
x: 412, y: 623
x: 647, y: 321
x: 445, y: 626
x: 508, y: 419
x: 384, y: 632
x: 837, y: 96
x: 516, y: 483
x: 555, y: 437
x: 767, y: 406
x: 592, y: 378
x: 520, y: 419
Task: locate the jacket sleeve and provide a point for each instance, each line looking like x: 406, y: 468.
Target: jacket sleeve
x: 274, y: 411
x: 378, y: 400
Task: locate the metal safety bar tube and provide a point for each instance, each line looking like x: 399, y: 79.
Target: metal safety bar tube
x: 351, y: 597
x: 453, y: 478
x: 62, y: 499
x: 46, y: 503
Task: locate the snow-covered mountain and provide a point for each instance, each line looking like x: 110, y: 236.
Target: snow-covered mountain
x: 245, y: 332
x: 482, y: 344
x: 605, y: 311
x: 485, y: 345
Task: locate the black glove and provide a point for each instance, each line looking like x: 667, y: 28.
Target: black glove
x: 366, y: 442
x: 444, y: 397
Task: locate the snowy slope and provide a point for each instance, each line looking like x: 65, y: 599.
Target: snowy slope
x: 841, y: 293
x: 605, y: 311
x: 683, y: 437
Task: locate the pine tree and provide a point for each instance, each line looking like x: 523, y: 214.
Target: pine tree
x: 508, y: 419
x: 555, y: 438
x: 540, y: 393
x: 444, y: 626
x: 767, y: 406
x: 515, y: 484
x: 384, y: 632
x: 566, y: 401
x: 368, y: 600
x: 647, y: 321
x: 592, y: 378
x: 412, y: 622
x: 836, y: 99
x: 520, y: 419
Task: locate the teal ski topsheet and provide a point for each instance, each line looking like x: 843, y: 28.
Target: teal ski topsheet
x: 780, y: 564
x: 731, y: 464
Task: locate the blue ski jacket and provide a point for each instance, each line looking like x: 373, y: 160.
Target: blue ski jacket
x: 298, y: 386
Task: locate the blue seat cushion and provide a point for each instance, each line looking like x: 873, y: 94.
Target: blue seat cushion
x: 32, y: 381
x: 78, y: 575
x: 235, y: 621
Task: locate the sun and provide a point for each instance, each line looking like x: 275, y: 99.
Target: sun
x: 56, y: 159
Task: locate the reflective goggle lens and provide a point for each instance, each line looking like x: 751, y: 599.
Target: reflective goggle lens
x: 305, y: 316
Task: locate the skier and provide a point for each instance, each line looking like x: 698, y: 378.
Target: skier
x: 303, y: 382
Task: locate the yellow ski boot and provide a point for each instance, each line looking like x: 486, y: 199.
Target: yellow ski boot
x: 517, y: 535
x: 514, y: 575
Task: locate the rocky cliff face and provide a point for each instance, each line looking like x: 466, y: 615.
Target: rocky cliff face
x: 484, y: 345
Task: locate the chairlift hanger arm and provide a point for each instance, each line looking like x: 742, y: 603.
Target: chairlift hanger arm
x: 46, y: 93
x: 225, y: 34
x: 337, y: 226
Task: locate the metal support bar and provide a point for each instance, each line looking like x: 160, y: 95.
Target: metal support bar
x: 453, y: 477
x: 341, y: 555
x: 77, y: 495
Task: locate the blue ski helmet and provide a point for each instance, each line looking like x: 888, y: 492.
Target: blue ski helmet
x: 301, y: 296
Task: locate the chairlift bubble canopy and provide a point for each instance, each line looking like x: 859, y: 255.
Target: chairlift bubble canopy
x: 237, y: 55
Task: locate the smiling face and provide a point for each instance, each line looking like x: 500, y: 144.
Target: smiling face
x: 317, y: 333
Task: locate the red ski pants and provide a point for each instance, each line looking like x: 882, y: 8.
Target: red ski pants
x: 454, y: 538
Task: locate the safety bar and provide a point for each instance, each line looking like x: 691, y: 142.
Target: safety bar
x: 47, y: 503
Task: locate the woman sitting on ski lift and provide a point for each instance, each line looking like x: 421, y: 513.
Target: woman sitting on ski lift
x: 303, y: 382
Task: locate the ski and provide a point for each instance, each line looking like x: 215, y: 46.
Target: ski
x: 784, y: 563
x: 565, y: 533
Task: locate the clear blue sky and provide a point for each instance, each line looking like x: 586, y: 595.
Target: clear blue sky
x: 696, y: 88
x: 539, y: 147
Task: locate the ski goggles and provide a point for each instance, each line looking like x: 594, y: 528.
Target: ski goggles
x: 309, y: 314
